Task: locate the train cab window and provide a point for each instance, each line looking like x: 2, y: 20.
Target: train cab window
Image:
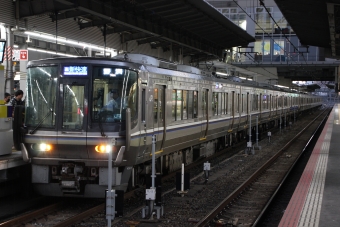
x: 73, y: 111
x: 114, y: 90
x: 41, y: 96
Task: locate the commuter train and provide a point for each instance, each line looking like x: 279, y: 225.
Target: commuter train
x: 77, y: 110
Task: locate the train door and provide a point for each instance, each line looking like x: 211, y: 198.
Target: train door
x: 159, y: 116
x: 205, y: 115
x: 73, y: 117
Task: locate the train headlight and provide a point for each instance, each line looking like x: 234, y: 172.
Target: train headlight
x: 45, y: 147
x: 103, y: 148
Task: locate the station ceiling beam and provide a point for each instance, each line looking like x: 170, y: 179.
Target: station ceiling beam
x: 186, y: 23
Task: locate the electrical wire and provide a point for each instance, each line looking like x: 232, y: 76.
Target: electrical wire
x: 287, y: 54
x: 295, y: 48
x: 253, y: 59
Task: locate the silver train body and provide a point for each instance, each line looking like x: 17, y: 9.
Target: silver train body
x: 71, y: 124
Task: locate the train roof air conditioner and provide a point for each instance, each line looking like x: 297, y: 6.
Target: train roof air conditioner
x: 139, y: 58
x: 188, y: 69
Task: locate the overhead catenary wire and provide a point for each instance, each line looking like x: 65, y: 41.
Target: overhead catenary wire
x: 262, y: 29
x: 252, y: 58
x: 295, y: 48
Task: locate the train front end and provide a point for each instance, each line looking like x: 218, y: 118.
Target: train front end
x: 76, y: 112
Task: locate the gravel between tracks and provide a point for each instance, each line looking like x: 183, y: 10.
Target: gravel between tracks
x: 203, y: 196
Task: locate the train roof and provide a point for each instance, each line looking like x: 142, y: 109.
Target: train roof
x: 161, y: 65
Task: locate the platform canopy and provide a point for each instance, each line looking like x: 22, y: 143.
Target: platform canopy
x: 316, y: 22
x: 193, y: 26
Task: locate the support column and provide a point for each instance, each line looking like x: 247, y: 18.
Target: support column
x: 9, y: 75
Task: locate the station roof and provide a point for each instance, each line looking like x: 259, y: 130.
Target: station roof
x: 299, y: 71
x: 191, y: 25
x: 316, y: 22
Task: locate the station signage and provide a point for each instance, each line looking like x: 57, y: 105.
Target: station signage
x: 20, y: 55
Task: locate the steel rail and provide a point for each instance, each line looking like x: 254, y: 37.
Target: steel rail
x: 210, y: 216
x: 79, y: 217
x: 30, y: 216
x: 319, y: 128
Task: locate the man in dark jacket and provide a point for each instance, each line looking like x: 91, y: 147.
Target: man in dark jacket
x: 17, y: 100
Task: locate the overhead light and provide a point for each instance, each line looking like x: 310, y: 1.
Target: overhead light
x: 15, y: 46
x: 51, y: 52
x: 68, y: 41
x: 222, y: 74
x: 281, y: 86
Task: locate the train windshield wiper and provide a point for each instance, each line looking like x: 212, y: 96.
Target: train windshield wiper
x: 42, y: 120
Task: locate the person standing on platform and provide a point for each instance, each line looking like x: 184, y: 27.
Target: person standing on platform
x: 7, y: 98
x: 17, y: 100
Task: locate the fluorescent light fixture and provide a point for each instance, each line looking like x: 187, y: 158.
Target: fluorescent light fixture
x: 222, y: 74
x: 51, y: 52
x: 15, y: 46
x: 281, y: 86
x: 67, y: 41
x: 243, y: 78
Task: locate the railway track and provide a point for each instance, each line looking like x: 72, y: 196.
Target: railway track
x: 247, y: 203
x: 134, y: 198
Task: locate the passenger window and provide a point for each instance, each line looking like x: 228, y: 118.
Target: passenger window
x: 221, y: 103
x: 233, y: 106
x: 190, y: 104
x: 214, y: 103
x: 204, y: 103
x: 173, y: 109
x: 226, y: 103
x: 264, y: 101
x: 155, y: 105
x: 143, y: 105
x: 238, y: 103
x: 179, y: 105
x: 195, y: 104
x: 185, y: 104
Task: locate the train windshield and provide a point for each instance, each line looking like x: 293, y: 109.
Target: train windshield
x: 114, y: 90
x: 41, y: 96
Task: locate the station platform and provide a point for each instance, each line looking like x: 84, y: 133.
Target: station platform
x: 316, y: 199
x: 11, y: 160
